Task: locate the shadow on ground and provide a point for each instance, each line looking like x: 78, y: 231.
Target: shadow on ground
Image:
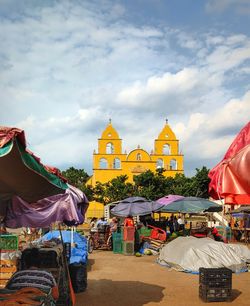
x: 235, y: 294
x: 90, y: 264
x: 106, y: 292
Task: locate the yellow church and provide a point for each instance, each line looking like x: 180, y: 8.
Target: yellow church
x: 109, y: 161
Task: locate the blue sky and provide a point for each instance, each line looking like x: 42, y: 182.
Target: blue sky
x: 66, y: 67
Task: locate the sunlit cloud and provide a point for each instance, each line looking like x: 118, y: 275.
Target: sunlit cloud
x: 66, y: 67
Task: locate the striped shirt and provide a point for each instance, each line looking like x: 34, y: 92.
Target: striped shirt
x: 42, y: 280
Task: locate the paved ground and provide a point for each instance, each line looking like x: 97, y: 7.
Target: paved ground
x: 118, y: 280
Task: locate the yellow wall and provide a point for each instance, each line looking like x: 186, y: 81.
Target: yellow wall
x: 95, y: 209
x: 137, y: 161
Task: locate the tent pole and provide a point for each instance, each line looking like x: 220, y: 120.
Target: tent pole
x: 65, y: 263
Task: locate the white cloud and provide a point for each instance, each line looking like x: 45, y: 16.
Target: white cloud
x: 68, y: 66
x: 225, y: 58
x: 241, y: 6
x: 209, y: 135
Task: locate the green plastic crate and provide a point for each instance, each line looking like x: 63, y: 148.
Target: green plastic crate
x: 225, y: 232
x: 117, y: 236
x: 128, y: 248
x: 144, y: 231
x: 117, y: 246
x: 8, y: 242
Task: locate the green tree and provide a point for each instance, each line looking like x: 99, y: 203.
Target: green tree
x: 75, y: 177
x: 78, y: 178
x: 114, y: 190
x: 149, y: 185
x: 152, y: 185
x: 201, y: 182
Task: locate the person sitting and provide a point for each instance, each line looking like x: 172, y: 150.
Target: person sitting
x: 216, y: 235
x: 93, y: 222
x: 101, y: 222
x: 33, y: 276
x: 129, y: 221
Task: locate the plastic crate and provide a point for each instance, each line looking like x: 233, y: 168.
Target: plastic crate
x: 144, y: 231
x: 78, y: 275
x: 128, y: 248
x: 8, y: 242
x: 48, y: 258
x: 116, y: 236
x: 208, y: 294
x: 215, y: 277
x: 117, y: 246
x: 129, y: 233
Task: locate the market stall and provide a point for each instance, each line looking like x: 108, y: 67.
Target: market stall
x: 34, y: 195
x: 240, y: 224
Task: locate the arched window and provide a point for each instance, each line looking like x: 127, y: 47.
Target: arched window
x: 109, y: 148
x: 138, y: 156
x: 103, y: 164
x: 166, y: 149
x: 173, y: 164
x: 159, y: 163
x: 116, y: 163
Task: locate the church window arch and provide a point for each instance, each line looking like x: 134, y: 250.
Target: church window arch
x: 173, y: 164
x: 138, y: 156
x: 159, y: 163
x: 109, y: 148
x: 116, y: 163
x: 103, y: 164
x: 166, y: 149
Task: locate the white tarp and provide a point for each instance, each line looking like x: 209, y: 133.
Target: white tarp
x: 190, y: 253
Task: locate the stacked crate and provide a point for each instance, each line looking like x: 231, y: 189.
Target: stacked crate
x: 145, y: 231
x: 215, y: 285
x: 8, y: 243
x: 128, y: 240
x: 7, y: 269
x: 117, y: 242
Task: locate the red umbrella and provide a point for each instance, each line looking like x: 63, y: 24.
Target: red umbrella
x: 230, y: 178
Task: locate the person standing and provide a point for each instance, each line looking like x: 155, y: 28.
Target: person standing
x: 171, y: 224
x: 129, y: 221
x: 181, y: 223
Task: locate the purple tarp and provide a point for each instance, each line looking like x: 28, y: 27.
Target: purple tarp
x: 169, y: 199
x: 135, y: 206
x: 69, y: 207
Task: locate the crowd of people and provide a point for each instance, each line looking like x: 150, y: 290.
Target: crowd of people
x: 171, y: 224
x: 115, y: 222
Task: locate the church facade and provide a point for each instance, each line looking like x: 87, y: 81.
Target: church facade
x: 109, y: 161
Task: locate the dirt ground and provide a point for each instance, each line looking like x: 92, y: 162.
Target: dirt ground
x: 119, y: 280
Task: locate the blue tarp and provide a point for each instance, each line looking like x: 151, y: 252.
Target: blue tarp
x: 79, y: 253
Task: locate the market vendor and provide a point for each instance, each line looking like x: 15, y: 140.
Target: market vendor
x: 129, y: 221
x: 113, y: 225
x: 216, y: 235
x: 33, y: 276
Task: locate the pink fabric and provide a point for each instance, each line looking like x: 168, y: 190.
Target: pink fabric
x: 230, y: 178
x: 8, y: 133
x: 169, y: 199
